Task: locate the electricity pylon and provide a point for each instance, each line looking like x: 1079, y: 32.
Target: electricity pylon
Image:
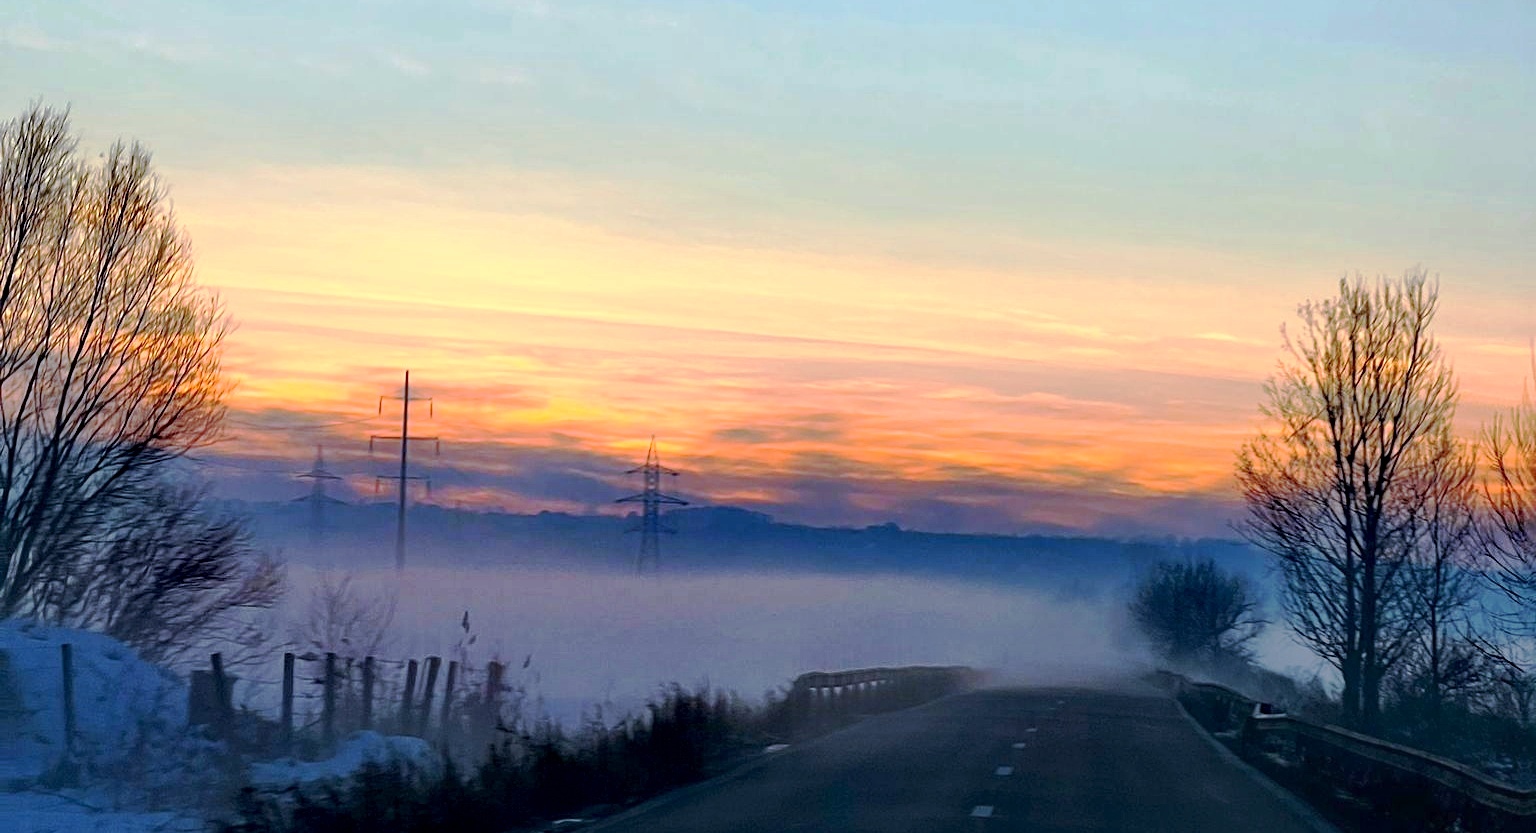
x: 317, y: 498
x: 651, y: 499
x: 405, y: 439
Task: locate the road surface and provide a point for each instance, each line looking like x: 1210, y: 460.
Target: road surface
x: 1039, y: 760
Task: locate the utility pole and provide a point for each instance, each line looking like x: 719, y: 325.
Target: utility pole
x: 651, y: 499
x: 317, y: 498
x: 405, y: 439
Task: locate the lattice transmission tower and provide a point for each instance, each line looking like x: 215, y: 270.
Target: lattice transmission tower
x: 404, y: 477
x: 651, y: 499
x: 317, y: 499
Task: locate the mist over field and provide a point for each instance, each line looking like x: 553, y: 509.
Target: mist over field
x: 608, y: 638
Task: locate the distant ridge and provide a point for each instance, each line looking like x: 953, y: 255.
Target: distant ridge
x: 726, y: 539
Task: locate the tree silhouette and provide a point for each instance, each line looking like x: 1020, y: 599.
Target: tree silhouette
x: 1196, y: 614
x: 1338, y: 486
x: 109, y: 364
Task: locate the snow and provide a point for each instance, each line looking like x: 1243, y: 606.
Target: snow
x: 122, y: 704
x: 356, y: 750
x: 132, y: 750
x: 40, y: 812
x: 138, y: 767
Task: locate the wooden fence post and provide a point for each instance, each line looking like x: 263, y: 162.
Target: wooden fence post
x: 288, y: 701
x: 493, y: 693
x: 368, y: 692
x: 328, y: 714
x: 67, y: 657
x: 426, y: 695
x: 410, y: 693
x: 445, y: 722
x: 221, y: 695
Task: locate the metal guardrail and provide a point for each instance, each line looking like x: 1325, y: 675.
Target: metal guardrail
x: 870, y: 690
x: 1392, y: 778
x: 1459, y: 777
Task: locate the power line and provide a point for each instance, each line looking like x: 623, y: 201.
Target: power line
x: 298, y: 426
x: 317, y: 498
x: 209, y: 461
x: 651, y: 499
x: 405, y: 439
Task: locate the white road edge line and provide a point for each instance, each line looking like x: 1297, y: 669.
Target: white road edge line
x: 982, y: 811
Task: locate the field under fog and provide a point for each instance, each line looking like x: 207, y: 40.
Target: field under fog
x: 610, y: 639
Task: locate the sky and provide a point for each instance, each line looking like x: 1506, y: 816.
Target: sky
x: 966, y: 266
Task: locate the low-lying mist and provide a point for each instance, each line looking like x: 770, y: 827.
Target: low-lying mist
x: 607, y: 639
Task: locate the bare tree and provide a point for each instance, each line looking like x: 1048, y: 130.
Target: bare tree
x: 1337, y: 486
x: 341, y: 618
x: 1514, y: 696
x: 1508, y: 540
x: 1447, y: 659
x: 1196, y: 614
x: 109, y: 352
x: 172, y: 579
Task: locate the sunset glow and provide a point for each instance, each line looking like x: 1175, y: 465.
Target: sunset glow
x: 946, y: 289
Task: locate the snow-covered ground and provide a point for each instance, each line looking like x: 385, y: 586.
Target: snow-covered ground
x: 42, y: 812
x: 123, y: 705
x: 350, y: 755
x: 137, y: 767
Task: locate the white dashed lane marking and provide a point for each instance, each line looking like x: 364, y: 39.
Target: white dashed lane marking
x: 981, y: 811
x: 1019, y: 745
x: 1004, y: 771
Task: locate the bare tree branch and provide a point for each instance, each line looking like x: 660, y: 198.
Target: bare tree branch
x: 1338, y: 486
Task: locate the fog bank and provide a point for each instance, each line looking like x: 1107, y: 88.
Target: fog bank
x: 612, y: 639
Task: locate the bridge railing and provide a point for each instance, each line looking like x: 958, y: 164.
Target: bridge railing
x: 821, y: 696
x: 1407, y: 788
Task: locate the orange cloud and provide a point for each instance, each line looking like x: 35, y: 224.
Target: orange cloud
x: 1094, y: 373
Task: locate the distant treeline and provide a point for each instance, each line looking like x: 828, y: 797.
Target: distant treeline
x: 357, y: 536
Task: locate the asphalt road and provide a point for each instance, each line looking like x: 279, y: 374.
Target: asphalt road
x: 1039, y: 760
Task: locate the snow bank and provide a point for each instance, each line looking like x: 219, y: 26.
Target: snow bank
x: 123, y: 705
x: 356, y: 750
